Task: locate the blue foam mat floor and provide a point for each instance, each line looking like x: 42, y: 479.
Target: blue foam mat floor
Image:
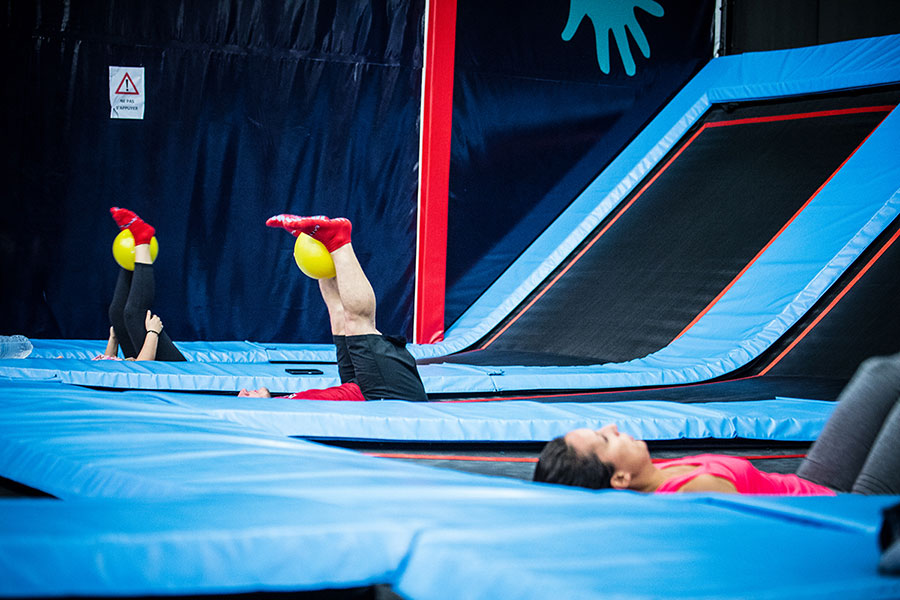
x: 780, y: 419
x: 160, y: 499
x: 573, y: 544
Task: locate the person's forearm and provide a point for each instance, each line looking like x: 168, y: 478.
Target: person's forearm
x: 112, y: 346
x: 148, y: 350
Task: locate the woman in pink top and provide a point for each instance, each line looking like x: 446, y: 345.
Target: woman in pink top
x: 858, y: 451
x: 607, y: 458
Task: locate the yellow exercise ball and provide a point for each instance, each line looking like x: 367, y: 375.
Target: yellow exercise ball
x: 123, y: 249
x: 313, y: 258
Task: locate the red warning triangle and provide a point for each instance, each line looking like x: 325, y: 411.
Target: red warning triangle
x: 130, y: 88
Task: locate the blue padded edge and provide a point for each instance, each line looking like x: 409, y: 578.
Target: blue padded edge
x: 231, y: 377
x: 223, y: 377
x: 73, y: 442
x: 648, y: 547
x: 783, y: 419
x: 194, y: 351
x: 313, y: 353
x: 844, y: 65
x: 215, y: 377
x: 533, y: 543
x: 206, y: 545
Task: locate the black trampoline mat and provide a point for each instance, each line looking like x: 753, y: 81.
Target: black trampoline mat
x: 686, y: 232
x: 732, y: 390
x: 517, y: 460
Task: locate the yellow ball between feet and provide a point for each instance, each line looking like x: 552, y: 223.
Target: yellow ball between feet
x: 312, y: 258
x: 123, y: 249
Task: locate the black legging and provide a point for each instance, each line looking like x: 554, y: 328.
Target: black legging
x: 859, y: 448
x: 131, y: 300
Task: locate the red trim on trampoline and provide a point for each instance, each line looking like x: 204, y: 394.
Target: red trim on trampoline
x: 806, y: 115
x: 753, y: 120
x: 526, y: 459
x: 519, y: 459
x: 833, y: 303
x: 437, y: 116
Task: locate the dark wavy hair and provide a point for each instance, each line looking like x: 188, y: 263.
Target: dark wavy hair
x: 559, y: 463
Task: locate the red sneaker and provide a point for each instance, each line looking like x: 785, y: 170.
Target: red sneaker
x: 333, y: 233
x: 126, y: 219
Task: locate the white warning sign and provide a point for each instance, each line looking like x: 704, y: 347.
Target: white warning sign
x: 126, y: 92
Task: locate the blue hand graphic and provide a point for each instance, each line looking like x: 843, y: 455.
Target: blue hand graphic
x: 616, y: 16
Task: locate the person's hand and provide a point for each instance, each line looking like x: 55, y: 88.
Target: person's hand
x: 260, y: 393
x: 153, y: 323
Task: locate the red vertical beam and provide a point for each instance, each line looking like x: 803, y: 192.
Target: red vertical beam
x: 434, y: 173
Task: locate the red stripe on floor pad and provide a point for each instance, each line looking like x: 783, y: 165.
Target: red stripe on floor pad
x: 748, y: 457
x: 525, y: 459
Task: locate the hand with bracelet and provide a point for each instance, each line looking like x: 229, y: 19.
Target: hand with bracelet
x: 153, y: 324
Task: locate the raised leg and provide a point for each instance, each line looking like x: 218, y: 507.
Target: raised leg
x: 141, y: 293
x: 140, y: 300
x: 332, y: 298
x: 117, y: 312
x: 381, y: 366
x: 356, y: 293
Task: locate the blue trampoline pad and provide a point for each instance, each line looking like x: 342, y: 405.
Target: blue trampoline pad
x: 226, y: 376
x: 74, y: 443
x: 205, y: 545
x: 242, y: 352
x: 542, y: 542
x: 222, y: 351
x: 653, y: 547
x: 783, y: 419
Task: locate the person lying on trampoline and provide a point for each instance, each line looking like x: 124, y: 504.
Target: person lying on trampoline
x: 858, y: 451
x: 372, y: 366
x: 134, y: 327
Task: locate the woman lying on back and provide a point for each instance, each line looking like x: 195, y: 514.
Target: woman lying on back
x: 858, y: 451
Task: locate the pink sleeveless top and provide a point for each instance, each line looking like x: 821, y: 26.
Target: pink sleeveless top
x: 745, y: 477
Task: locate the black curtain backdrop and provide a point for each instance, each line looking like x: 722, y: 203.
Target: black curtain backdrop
x: 252, y: 109
x: 760, y: 25
x: 535, y: 119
